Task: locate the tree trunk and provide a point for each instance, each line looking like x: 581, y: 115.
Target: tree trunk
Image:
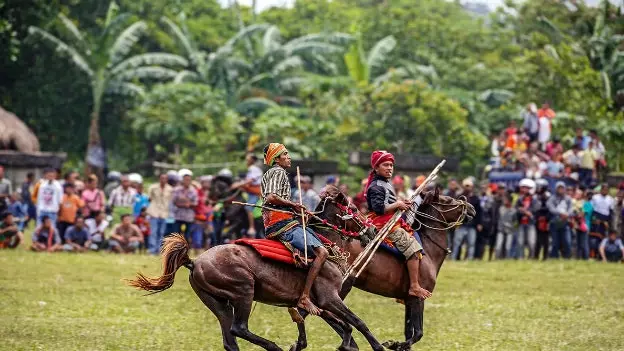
x: 94, y: 148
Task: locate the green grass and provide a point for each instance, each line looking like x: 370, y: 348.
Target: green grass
x: 78, y: 302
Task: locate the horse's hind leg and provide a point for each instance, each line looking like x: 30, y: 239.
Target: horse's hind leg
x: 336, y: 306
x: 240, y: 327
x: 343, y: 329
x: 224, y: 314
x: 414, y: 308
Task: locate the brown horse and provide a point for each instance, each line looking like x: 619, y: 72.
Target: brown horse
x: 228, y: 278
x: 386, y: 275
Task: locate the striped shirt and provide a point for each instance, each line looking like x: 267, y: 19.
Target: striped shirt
x: 275, y: 181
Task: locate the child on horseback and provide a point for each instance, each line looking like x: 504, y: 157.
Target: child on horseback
x: 283, y: 226
x: 383, y: 203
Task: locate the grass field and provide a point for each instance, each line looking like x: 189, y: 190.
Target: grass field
x: 78, y: 302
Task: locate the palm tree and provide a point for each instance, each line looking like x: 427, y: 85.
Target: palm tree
x: 365, y: 67
x: 104, y: 59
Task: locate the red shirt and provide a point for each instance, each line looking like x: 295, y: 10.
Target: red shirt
x: 143, y: 225
x: 201, y: 209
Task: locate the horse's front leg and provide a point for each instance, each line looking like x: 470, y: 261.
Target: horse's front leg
x: 414, y: 308
x: 343, y: 329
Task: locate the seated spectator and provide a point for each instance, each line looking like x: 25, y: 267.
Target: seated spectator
x: 10, y: 235
x: 125, y: 236
x: 18, y: 210
x: 97, y: 228
x: 510, y: 133
x: 611, y: 248
x: 46, y: 237
x: 77, y: 237
x: 70, y: 205
x: 143, y: 224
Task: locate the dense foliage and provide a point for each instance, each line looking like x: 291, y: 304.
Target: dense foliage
x: 325, y: 77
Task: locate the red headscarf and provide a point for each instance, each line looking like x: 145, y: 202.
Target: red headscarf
x: 378, y: 157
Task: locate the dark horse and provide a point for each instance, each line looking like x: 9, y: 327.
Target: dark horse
x: 386, y: 275
x: 228, y: 278
x: 233, y: 221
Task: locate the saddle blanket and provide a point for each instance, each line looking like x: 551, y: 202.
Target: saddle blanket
x: 271, y: 249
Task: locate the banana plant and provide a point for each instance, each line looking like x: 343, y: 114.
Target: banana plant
x: 107, y: 61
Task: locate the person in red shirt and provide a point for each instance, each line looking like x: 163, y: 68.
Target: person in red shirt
x: 511, y: 129
x: 546, y: 111
x: 144, y: 226
x: 526, y: 206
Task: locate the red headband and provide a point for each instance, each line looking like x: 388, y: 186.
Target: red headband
x: 378, y: 157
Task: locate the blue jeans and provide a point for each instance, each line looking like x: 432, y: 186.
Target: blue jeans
x: 51, y: 215
x: 295, y: 237
x: 197, y: 235
x: 158, y: 226
x: 582, y: 245
x: 561, y: 240
x: 468, y: 233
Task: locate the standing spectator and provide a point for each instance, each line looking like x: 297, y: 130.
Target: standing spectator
x: 184, y: 200
x: 554, y: 147
x: 197, y: 228
x: 359, y: 200
x: 19, y: 211
x: 531, y: 122
x: 452, y: 189
x: 546, y: 111
x: 572, y: 158
x: 70, y: 177
x: 495, y: 145
x: 468, y: 231
x: 97, y: 230
x: 543, y: 134
x: 77, y: 237
x: 487, y: 218
x: 560, y: 207
x: 588, y: 165
x: 500, y: 191
x: 507, y: 226
x: 10, y: 235
x: 122, y: 198
x: 125, y: 236
x: 601, y: 153
x: 113, y: 180
x: 143, y: 224
x: 603, y: 206
x: 526, y: 206
x: 399, y: 187
x: 6, y: 189
x: 415, y: 184
x: 309, y: 197
x: 582, y: 230
x: 611, y: 248
x: 69, y: 209
x: 49, y: 197
x: 542, y: 219
x: 46, y: 237
x: 618, y: 214
x: 93, y: 198
x: 27, y: 197
x: 511, y: 130
x: 160, y: 196
x: 581, y: 139
x: 251, y: 186
x: 141, y: 200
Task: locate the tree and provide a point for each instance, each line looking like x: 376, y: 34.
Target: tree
x: 363, y: 67
x: 104, y: 60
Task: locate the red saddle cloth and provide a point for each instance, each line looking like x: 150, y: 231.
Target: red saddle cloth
x: 270, y: 249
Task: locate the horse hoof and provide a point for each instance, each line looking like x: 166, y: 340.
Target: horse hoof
x: 392, y: 345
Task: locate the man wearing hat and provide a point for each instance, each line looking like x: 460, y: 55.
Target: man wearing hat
x: 560, y: 207
x: 383, y: 203
x: 282, y: 224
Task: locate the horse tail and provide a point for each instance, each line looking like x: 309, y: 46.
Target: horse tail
x: 175, y: 255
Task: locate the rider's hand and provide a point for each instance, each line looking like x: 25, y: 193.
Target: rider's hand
x: 403, y: 205
x: 299, y: 207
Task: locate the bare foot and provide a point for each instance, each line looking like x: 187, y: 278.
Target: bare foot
x: 306, y: 304
x: 419, y: 292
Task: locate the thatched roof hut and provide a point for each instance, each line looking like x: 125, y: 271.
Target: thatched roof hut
x: 15, y: 135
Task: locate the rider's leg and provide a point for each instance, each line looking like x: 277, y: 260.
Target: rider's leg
x: 304, y: 301
x: 412, y: 250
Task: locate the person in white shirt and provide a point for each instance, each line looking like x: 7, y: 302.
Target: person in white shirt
x: 97, y: 229
x: 603, y: 205
x: 543, y: 135
x: 49, y: 197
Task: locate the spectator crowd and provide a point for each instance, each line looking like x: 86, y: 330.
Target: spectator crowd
x: 556, y: 210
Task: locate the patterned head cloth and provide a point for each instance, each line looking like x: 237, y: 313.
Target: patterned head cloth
x: 378, y: 157
x: 273, y: 151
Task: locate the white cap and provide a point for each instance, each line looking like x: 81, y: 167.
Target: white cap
x: 528, y: 183
x: 135, y: 178
x: 468, y: 182
x: 185, y: 172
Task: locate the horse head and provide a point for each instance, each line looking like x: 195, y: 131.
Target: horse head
x: 336, y: 209
x: 220, y: 188
x: 438, y: 214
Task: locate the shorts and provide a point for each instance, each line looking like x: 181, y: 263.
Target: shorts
x: 133, y: 245
x: 252, y: 199
x: 295, y: 237
x: 405, y: 242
